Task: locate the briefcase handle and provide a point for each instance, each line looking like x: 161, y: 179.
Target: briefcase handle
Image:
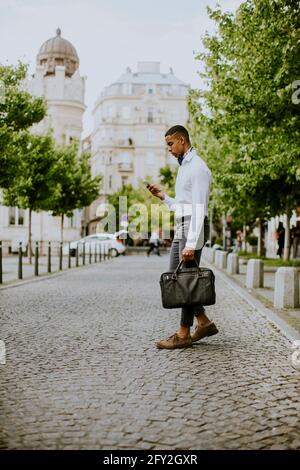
x: 174, y: 276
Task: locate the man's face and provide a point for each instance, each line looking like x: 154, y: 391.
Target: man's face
x: 175, y: 144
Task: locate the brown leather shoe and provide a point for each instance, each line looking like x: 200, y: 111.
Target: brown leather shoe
x: 202, y: 331
x: 175, y: 342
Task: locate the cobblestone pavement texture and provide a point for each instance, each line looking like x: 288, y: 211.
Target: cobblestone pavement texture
x: 82, y: 371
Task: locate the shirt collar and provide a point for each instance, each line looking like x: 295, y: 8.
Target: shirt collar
x: 188, y: 155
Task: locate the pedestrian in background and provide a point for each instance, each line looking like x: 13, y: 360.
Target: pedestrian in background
x: 154, y: 244
x: 192, y: 229
x: 295, y: 235
x: 280, y: 233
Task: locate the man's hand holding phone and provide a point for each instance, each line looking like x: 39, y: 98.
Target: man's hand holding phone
x: 155, y: 190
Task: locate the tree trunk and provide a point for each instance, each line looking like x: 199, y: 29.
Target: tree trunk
x: 244, y: 244
x: 224, y: 231
x: 62, y: 228
x: 29, y: 238
x: 260, y: 238
x: 210, y: 225
x: 287, y: 236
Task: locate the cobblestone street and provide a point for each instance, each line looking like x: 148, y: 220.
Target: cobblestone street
x: 82, y: 370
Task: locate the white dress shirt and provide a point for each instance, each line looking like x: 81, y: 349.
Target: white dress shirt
x: 191, y: 194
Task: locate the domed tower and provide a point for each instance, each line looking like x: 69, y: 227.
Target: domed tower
x: 58, y: 80
x: 58, y: 51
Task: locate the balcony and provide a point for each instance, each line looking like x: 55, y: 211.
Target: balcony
x: 125, y: 166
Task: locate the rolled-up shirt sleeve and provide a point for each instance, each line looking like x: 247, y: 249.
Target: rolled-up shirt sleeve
x: 200, y: 192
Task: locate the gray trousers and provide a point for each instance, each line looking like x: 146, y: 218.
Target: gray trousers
x: 178, y: 244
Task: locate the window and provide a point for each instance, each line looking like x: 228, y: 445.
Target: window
x: 124, y: 180
x: 124, y: 157
x: 110, y: 134
x: 175, y: 115
x: 16, y: 216
x: 150, y: 115
x: 111, y: 111
x: 125, y: 112
x: 21, y: 217
x: 71, y: 221
x: 110, y: 182
x: 150, y: 158
x: 125, y: 134
x: 126, y: 88
x: 12, y: 216
x: 151, y: 135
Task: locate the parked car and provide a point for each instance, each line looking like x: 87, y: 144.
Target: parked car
x: 108, y: 240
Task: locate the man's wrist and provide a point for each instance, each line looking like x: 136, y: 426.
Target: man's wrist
x: 189, y: 248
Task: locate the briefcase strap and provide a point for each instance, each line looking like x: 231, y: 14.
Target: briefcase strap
x: 180, y: 266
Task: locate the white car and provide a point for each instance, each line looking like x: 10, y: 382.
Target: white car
x: 107, y: 242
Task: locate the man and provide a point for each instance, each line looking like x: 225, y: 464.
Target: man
x: 190, y: 206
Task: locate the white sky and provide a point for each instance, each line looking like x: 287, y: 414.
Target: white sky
x: 109, y: 35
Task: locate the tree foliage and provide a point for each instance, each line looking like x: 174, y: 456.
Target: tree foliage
x: 18, y: 112
x: 244, y: 121
x: 33, y: 188
x: 74, y: 186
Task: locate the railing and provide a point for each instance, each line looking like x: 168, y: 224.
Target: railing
x: 13, y: 267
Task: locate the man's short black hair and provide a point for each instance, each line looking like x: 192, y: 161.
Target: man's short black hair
x: 178, y: 130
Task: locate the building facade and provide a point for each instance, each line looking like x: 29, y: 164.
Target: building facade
x: 130, y: 119
x: 58, y: 80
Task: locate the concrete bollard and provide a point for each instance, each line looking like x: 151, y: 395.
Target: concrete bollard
x: 223, y: 259
x: 207, y: 254
x: 233, y: 263
x: 214, y: 251
x: 286, y: 294
x: 255, y: 274
x: 210, y: 255
x: 216, y: 257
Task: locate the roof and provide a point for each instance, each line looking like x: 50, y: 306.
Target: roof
x: 149, y: 73
x: 58, y: 51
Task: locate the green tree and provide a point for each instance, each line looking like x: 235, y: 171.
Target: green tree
x: 167, y: 177
x: 34, y: 188
x: 244, y: 121
x: 18, y: 112
x: 74, y: 186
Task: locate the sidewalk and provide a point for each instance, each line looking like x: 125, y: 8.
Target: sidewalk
x: 10, y: 267
x: 82, y: 371
x: 266, y: 294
